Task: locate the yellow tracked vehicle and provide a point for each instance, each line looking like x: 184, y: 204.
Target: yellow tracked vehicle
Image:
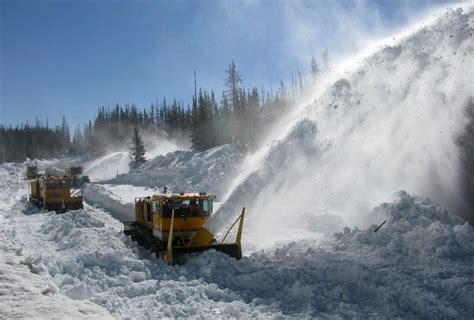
x: 54, y: 192
x: 172, y: 226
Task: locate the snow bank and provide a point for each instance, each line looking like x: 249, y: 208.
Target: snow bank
x: 420, y: 264
x: 26, y: 287
x: 27, y: 294
x: 418, y: 230
x: 187, y: 171
x: 119, y: 200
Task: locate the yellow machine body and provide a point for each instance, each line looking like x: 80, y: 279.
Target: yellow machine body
x: 58, y: 193
x: 172, y: 225
x: 191, y: 213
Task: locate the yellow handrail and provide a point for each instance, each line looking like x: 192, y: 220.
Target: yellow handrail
x: 241, y: 224
x: 169, y: 249
x: 239, y: 232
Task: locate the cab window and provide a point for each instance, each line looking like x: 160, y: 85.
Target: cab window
x: 58, y: 184
x: 148, y: 211
x: 205, y: 207
x: 155, y: 207
x: 187, y: 208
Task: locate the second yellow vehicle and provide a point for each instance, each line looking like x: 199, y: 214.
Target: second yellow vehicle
x: 56, y: 192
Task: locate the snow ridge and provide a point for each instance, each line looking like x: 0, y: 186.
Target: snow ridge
x: 187, y: 171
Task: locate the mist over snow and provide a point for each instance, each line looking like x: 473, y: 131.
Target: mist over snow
x: 115, y: 163
x: 108, y: 166
x: 210, y: 171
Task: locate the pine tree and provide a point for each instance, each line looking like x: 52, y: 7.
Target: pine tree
x: 137, y: 149
x: 326, y: 63
x: 78, y: 144
x: 314, y: 70
x: 233, y: 82
x: 225, y: 130
x: 300, y: 79
x: 253, y: 118
x: 355, y: 47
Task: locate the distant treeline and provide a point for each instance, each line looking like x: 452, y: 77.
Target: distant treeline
x: 34, y: 141
x: 239, y: 115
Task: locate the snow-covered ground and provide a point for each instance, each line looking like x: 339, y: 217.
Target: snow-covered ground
x: 420, y: 264
x: 26, y: 287
x: 391, y: 125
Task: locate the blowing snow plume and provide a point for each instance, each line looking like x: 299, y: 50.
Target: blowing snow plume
x: 116, y: 162
x: 391, y: 123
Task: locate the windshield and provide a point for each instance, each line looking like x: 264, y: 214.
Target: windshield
x: 187, y: 208
x: 58, y: 184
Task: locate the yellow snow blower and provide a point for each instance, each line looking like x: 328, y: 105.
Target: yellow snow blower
x: 171, y: 225
x: 56, y: 192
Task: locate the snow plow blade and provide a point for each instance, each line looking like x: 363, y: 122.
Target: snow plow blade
x: 203, y: 240
x: 231, y: 249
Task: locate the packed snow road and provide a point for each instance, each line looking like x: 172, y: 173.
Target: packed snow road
x: 26, y: 288
x: 420, y: 264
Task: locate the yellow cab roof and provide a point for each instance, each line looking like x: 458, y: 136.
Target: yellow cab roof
x: 181, y: 196
x: 57, y: 178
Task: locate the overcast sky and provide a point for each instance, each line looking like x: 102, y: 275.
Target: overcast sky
x: 70, y: 57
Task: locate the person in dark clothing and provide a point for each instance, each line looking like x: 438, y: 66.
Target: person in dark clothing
x: 193, y: 208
